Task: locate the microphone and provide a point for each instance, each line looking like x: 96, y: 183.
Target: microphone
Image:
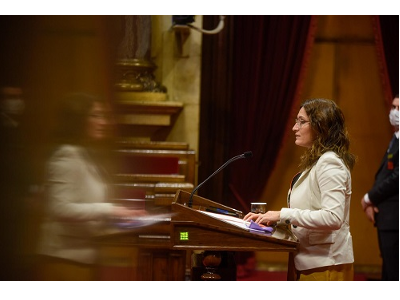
x: 246, y: 154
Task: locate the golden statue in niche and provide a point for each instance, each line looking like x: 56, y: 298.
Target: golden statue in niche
x: 134, y: 66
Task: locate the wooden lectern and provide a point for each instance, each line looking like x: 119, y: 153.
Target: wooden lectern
x: 195, y: 229
x: 160, y: 251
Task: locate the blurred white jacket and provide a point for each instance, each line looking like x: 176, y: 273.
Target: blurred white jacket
x: 77, y: 207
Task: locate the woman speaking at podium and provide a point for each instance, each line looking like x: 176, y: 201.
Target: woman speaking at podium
x: 319, y: 196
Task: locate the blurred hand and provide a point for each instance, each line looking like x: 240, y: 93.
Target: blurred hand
x: 370, y: 213
x: 369, y: 210
x: 124, y: 212
x: 364, y: 205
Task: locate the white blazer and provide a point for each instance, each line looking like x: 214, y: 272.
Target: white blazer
x: 319, y: 208
x: 77, y: 207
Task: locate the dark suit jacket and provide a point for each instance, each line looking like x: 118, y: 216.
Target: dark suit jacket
x: 385, y: 192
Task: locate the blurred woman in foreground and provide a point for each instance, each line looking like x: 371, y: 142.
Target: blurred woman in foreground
x: 77, y: 191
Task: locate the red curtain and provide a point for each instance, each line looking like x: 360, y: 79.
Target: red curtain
x: 250, y: 81
x: 264, y: 93
x: 386, y: 29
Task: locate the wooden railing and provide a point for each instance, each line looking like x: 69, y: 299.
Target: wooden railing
x: 155, y: 170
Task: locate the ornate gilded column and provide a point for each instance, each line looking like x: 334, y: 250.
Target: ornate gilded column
x: 134, y: 66
x: 144, y: 113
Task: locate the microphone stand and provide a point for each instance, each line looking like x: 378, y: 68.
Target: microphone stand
x: 244, y: 155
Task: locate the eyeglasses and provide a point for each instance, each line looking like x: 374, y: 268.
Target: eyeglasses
x: 300, y: 122
x: 99, y: 116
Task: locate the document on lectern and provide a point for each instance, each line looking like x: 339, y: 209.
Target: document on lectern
x: 247, y: 225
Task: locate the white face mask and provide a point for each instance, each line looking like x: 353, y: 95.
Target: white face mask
x: 394, y: 117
